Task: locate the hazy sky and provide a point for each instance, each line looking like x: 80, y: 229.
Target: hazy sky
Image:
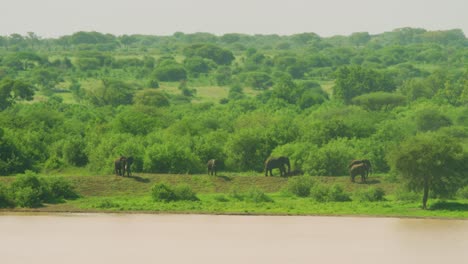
x: 52, y: 18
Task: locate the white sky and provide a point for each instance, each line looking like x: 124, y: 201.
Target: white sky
x: 53, y: 18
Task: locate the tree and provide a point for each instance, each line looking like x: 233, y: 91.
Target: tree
x: 14, y: 90
x: 380, y: 100
x: 210, y: 51
x: 431, y: 119
x: 151, y: 98
x: 170, y: 73
x: 360, y: 38
x: 356, y: 80
x: 430, y: 162
x: 111, y: 92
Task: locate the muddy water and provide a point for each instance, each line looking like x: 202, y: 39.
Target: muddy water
x: 107, y: 238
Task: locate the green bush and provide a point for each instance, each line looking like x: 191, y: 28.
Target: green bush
x: 234, y: 193
x: 59, y: 188
x: 162, y: 192
x: 184, y: 192
x: 402, y: 194
x: 106, y: 204
x: 319, y: 193
x: 30, y: 190
x: 463, y: 193
x: 334, y: 193
x: 221, y: 198
x: 5, y: 200
x: 337, y: 194
x: 256, y: 195
x: 370, y: 195
x: 27, y: 197
x: 300, y: 186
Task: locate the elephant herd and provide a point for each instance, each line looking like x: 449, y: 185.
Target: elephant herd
x: 361, y: 167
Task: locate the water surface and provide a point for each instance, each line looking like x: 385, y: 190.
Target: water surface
x: 141, y: 238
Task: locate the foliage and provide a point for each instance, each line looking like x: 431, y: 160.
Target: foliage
x: 430, y: 162
x: 163, y: 192
x: 170, y: 73
x: 372, y: 194
x: 300, y: 186
x: 4, y: 197
x: 379, y: 101
x: 355, y: 80
x: 325, y: 193
x: 14, y: 90
x: 30, y: 190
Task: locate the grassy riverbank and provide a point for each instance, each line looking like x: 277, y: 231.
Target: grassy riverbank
x: 224, y: 194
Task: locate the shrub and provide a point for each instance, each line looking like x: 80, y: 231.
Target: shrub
x: 338, y: 194
x: 370, y: 195
x: 300, y: 186
x: 463, y: 193
x: 28, y: 190
x: 106, y: 204
x: 162, y: 192
x: 221, y: 198
x: 319, y: 193
x: 236, y: 194
x: 402, y: 194
x: 335, y: 193
x: 256, y: 195
x: 27, y: 197
x: 184, y: 192
x: 4, y: 197
x: 59, y: 188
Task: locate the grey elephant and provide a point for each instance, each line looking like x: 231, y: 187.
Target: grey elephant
x: 211, y: 165
x: 279, y: 163
x: 119, y: 166
x: 358, y: 169
x: 362, y: 161
x: 128, y: 166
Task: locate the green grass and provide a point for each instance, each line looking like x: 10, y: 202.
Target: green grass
x: 109, y: 193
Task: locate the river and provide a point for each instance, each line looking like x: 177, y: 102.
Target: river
x: 147, y: 238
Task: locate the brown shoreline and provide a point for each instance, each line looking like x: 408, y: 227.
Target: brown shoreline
x: 39, y: 211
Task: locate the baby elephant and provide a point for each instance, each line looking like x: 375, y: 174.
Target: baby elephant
x: 211, y: 167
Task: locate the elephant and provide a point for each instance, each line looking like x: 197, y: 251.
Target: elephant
x: 277, y: 162
x: 358, y: 169
x: 122, y: 166
x: 363, y: 161
x: 127, y: 166
x: 119, y: 166
x: 211, y: 167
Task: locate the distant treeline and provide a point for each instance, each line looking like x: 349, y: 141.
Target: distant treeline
x: 174, y: 102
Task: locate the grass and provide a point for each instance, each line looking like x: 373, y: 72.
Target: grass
x: 219, y: 195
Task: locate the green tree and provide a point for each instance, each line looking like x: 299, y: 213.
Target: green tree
x: 431, y: 119
x: 170, y: 73
x: 430, y: 162
x: 356, y: 80
x: 111, y: 92
x: 379, y: 100
x: 209, y: 51
x: 12, y: 91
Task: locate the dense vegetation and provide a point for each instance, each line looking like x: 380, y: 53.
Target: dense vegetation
x: 174, y: 102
